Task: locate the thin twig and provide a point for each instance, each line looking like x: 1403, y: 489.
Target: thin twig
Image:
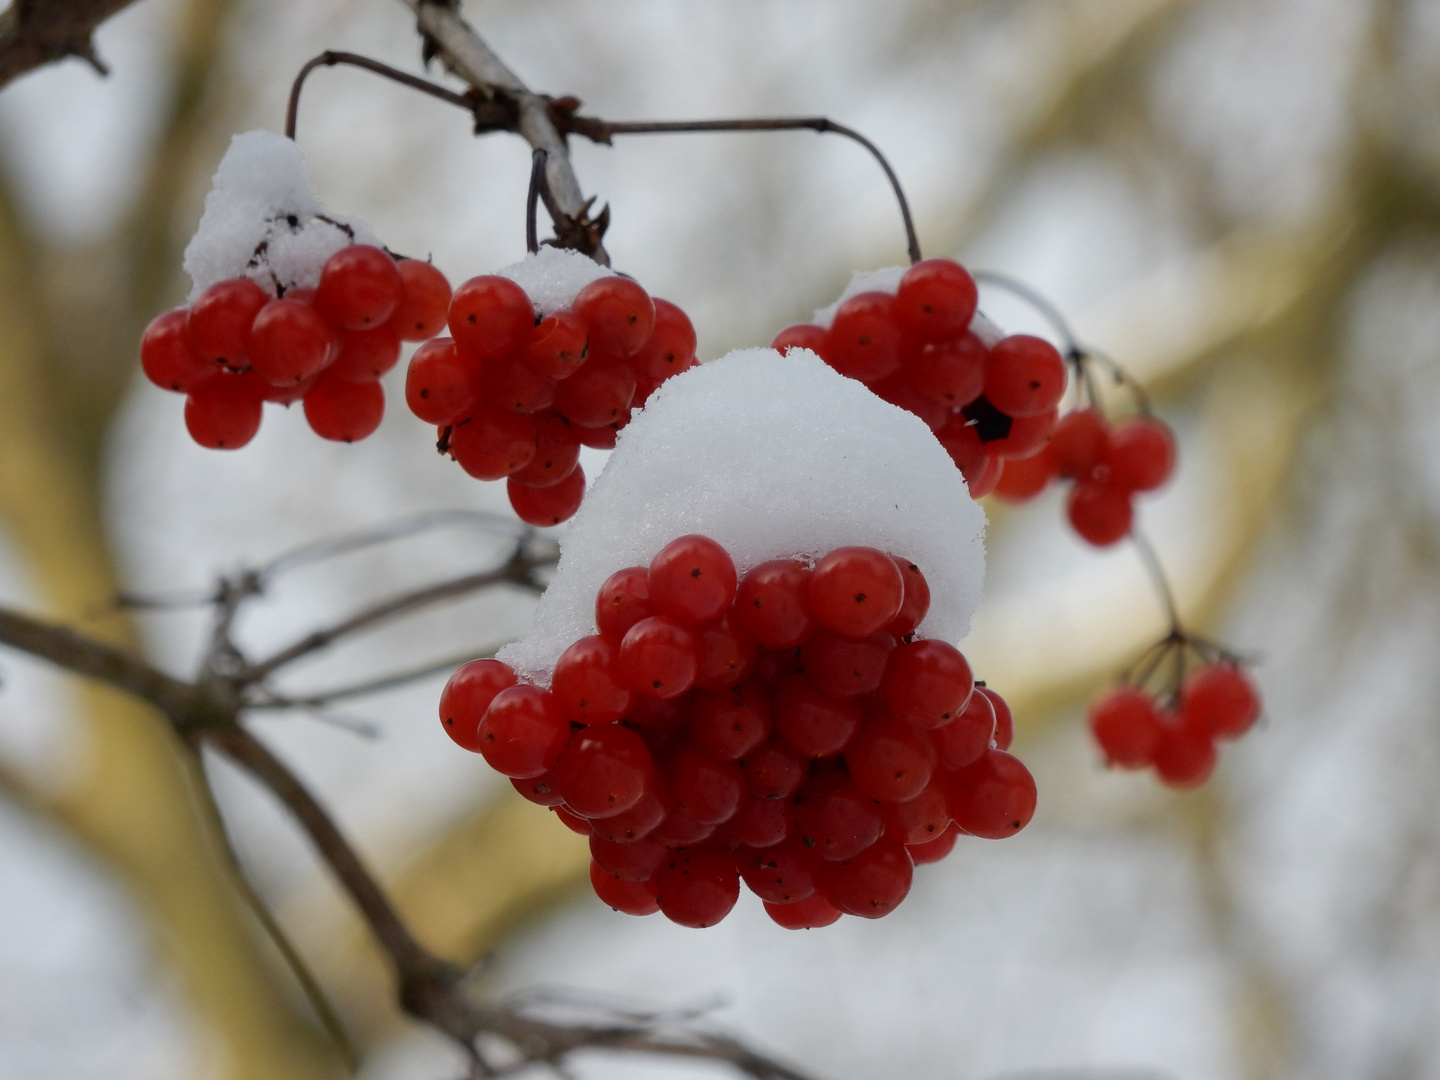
x: 1158, y: 579
x: 1039, y: 303
x: 537, y: 182
x: 38, y: 32
x: 374, y: 686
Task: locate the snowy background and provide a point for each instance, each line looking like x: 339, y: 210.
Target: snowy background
x: 1234, y: 199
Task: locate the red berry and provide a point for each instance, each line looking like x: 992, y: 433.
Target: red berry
x: 730, y: 723
x: 772, y: 604
x: 727, y: 655
x: 623, y: 601
x: 982, y: 480
x: 574, y: 822
x: 864, y: 340
x: 1219, y: 699
x: 1079, y: 443
x: 424, y: 301
x: 966, y: 738
x: 856, y: 591
x: 167, y: 357
x: 706, y: 790
x: 842, y: 667
x: 809, y: 914
x: 604, y: 770
x: 638, y: 860
x: 760, y: 823
x: 927, y: 683
x: 698, y: 888
x: 1024, y: 376
x: 586, y: 682
x: 936, y: 299
x: 513, y: 385
x: 466, y: 697
x: 872, y: 883
x: 539, y: 790
x: 491, y: 446
x: 291, y: 341
x: 1184, y: 755
x: 1004, y: 718
x: 993, y: 798
x: 365, y: 355
x: 220, y: 319
x: 803, y: 336
x: 916, y: 603
x: 599, y: 438
x: 1126, y: 725
x: 558, y: 345
x: 835, y: 818
x: 359, y: 288
x: 1141, y: 454
x: 599, y: 393
x: 951, y: 373
x: 659, y: 657
x: 626, y: 897
x: 890, y: 761
x: 898, y: 392
x: 440, y: 383
x: 223, y: 413
x: 557, y: 453
x: 961, y: 440
x: 523, y: 731
x: 934, y: 850
x: 619, y: 314
x: 692, y: 578
x: 640, y: 821
x: 923, y: 818
x: 782, y: 873
x: 342, y: 410
x: 1023, y: 478
x: 490, y: 316
x: 671, y: 346
x: 774, y: 771
x: 1101, y: 514
x: 1028, y: 435
x: 812, y: 723
x: 547, y: 506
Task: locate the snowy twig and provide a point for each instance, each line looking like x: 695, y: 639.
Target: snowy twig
x: 34, y: 33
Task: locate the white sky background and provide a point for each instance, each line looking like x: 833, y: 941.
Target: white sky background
x: 1086, y: 942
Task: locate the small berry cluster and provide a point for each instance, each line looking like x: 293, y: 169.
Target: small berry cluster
x: 1175, y: 733
x: 236, y: 347
x: 516, y: 396
x: 916, y: 350
x: 1108, y: 464
x: 785, y: 728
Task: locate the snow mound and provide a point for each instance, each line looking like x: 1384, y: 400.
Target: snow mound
x: 887, y: 280
x: 263, y: 220
x: 553, y: 277
x: 770, y: 456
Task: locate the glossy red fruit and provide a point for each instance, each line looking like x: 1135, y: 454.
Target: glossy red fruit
x: 440, y: 383
x: 223, y: 413
x: 604, y: 770
x: 424, y: 302
x: 811, y: 722
x: 784, y: 873
x: 491, y: 446
x: 706, y: 790
x: 923, y: 818
x: 950, y: 373
x: 842, y: 667
x: 1101, y: 514
x: 639, y: 860
x: 966, y: 738
x: 671, y: 346
x: 802, y: 336
x: 772, y: 604
x: 935, y: 850
x: 1004, y: 718
x: 220, y: 319
x: 1184, y: 755
x: 872, y: 883
x: 1079, y: 444
x: 599, y: 393
x: 558, y: 345
x: 586, y: 682
x: 539, y: 790
x: 1024, y: 376
x: 1024, y: 478
x: 699, y: 887
x: 359, y: 288
x: 490, y: 316
x: 167, y: 357
x: 774, y: 771
x: 468, y: 694
x: 936, y: 299
x: 993, y: 798
x: 982, y: 477
x: 557, y: 453
x: 574, y: 822
x: 834, y: 818
x: 619, y: 314
x: 692, y: 579
x: 809, y: 914
x: 513, y: 385
x: 290, y: 341
x: 659, y: 657
x: 1140, y: 454
x: 365, y: 355
x: 623, y: 601
x: 343, y: 410
x: 916, y: 604
x: 523, y: 731
x: 626, y: 897
x: 899, y: 392
x: 1126, y: 725
x: 864, y: 339
x: 1028, y: 435
x: 727, y: 655
x: 890, y: 761
x: 640, y: 821
x: 927, y: 683
x: 759, y: 823
x: 1220, y: 699
x: 547, y: 506
x: 856, y: 591
x: 730, y: 723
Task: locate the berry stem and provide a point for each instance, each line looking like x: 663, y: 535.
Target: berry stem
x: 532, y: 199
x: 1159, y: 580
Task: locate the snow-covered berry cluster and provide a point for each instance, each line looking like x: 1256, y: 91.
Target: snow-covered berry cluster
x: 913, y: 336
x: 529, y: 375
x: 786, y: 728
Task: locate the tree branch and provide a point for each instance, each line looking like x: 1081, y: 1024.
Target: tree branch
x: 34, y: 33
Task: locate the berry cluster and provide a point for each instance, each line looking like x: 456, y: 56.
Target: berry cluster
x: 236, y: 347
x: 516, y: 396
x: 915, y: 349
x: 1108, y: 465
x: 785, y: 728
x: 1176, y: 733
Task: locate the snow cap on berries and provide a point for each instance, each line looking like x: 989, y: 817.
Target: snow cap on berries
x: 771, y: 457
x: 262, y: 220
x: 553, y: 277
x: 887, y: 280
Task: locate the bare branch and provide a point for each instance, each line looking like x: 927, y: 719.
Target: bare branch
x: 372, y: 686
x: 34, y: 33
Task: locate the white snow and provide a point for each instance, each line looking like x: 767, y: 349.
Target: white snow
x: 263, y: 220
x: 770, y: 456
x: 887, y: 280
x: 553, y: 277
